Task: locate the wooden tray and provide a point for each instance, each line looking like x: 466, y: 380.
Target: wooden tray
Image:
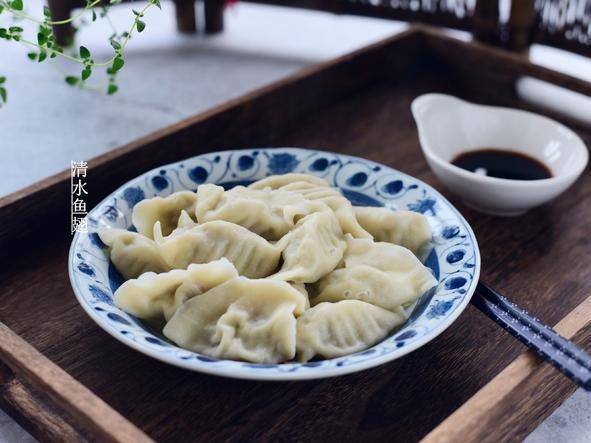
x: 473, y: 383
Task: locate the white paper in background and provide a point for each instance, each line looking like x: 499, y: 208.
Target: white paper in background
x: 553, y: 97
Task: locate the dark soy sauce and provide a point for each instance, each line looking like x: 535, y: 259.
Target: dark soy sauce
x: 502, y: 164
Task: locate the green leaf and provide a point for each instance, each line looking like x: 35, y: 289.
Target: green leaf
x: 42, y: 56
x: 93, y: 15
x: 117, y: 64
x: 4, y: 33
x: 1, y: 9
x: 112, y: 89
x: 86, y: 73
x: 53, y: 54
x: 84, y: 53
x: 2, y: 80
x: 17, y: 5
x: 46, y: 11
x: 45, y: 30
x: 32, y: 55
x: 41, y: 38
x: 140, y: 26
x: 15, y: 29
x: 3, y: 94
x: 115, y: 44
x: 157, y: 3
x: 72, y: 80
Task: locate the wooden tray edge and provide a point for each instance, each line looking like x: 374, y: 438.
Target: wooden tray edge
x: 72, y: 411
x: 46, y: 380
x: 524, y: 379
x: 512, y: 62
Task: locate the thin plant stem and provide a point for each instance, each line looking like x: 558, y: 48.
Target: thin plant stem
x: 47, y: 47
x: 49, y: 22
x: 93, y: 64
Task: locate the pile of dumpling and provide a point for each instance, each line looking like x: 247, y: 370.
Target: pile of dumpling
x: 284, y: 268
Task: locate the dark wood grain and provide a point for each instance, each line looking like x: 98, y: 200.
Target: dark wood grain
x: 60, y: 10
x: 186, y: 18
x: 60, y: 407
x: 214, y: 16
x: 489, y: 70
x: 383, y: 10
x: 357, y: 105
x: 526, y: 24
x: 31, y: 411
x: 510, y: 393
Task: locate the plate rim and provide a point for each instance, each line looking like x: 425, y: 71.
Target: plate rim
x: 265, y: 374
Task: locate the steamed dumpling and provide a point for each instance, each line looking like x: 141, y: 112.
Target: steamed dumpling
x: 153, y: 296
x: 251, y: 254
x: 384, y: 274
x: 387, y: 289
x: 242, y: 319
x: 185, y: 222
x: 165, y: 210
x: 243, y: 261
x: 132, y: 253
x: 314, y: 248
x: 316, y: 190
x: 301, y: 287
x: 381, y: 255
x: 266, y: 212
x: 404, y: 228
x: 332, y: 198
x: 278, y: 181
x: 334, y: 329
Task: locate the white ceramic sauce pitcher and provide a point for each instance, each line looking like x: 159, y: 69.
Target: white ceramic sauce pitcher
x: 448, y: 126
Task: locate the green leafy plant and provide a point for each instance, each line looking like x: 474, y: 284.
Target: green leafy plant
x: 45, y: 46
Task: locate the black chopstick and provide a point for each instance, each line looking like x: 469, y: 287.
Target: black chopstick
x: 563, y: 354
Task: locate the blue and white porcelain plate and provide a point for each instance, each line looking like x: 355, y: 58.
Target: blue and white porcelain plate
x: 454, y: 259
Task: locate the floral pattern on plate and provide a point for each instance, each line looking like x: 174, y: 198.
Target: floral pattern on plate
x: 454, y: 258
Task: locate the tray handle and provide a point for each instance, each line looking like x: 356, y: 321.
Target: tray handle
x: 70, y: 413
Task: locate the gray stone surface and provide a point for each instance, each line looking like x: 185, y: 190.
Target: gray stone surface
x: 11, y: 432
x: 570, y: 423
x: 169, y: 77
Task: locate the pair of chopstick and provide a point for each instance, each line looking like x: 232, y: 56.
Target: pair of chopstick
x: 563, y: 354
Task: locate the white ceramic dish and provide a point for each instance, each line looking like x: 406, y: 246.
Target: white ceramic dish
x: 449, y: 126
x: 454, y: 257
